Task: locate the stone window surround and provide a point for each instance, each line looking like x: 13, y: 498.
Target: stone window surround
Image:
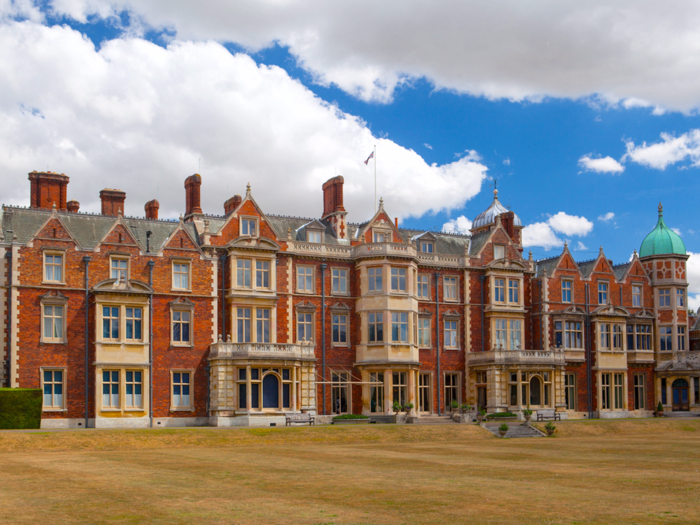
x: 341, y: 309
x: 547, y: 382
x: 253, y: 218
x: 181, y: 305
x: 253, y: 276
x: 426, y: 314
x: 181, y: 261
x: 451, y: 316
x: 419, y: 284
x: 313, y: 279
x: 564, y: 319
x: 53, y: 300
x: 508, y: 331
x: 54, y: 251
x: 63, y: 369
x: 347, y: 280
x: 506, y: 278
x: 339, y: 384
x: 122, y: 369
x: 611, y: 386
x: 445, y: 387
x: 122, y: 322
x: 189, y: 408
x: 120, y: 257
x: 253, y: 323
x: 386, y: 232
x: 623, y: 331
x: 450, y: 278
x: 305, y: 308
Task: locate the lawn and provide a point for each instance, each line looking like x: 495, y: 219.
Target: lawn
x: 631, y: 471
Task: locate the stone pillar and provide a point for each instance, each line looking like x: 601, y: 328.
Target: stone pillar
x: 388, y: 382
x: 412, y: 390
x: 248, y: 393
x: 366, y: 402
x: 294, y: 389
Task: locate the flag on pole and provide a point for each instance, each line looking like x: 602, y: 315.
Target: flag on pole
x: 371, y: 155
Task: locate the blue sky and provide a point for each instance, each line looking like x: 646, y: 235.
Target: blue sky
x: 585, y: 124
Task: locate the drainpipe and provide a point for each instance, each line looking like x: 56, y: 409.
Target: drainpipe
x: 437, y: 336
x: 222, y: 259
x: 589, y: 371
x: 87, y: 260
x: 323, y: 330
x: 151, y: 264
x: 8, y: 256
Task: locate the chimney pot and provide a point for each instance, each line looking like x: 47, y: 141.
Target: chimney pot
x: 152, y: 209
x: 233, y: 203
x: 73, y: 206
x: 333, y: 196
x: 112, y: 201
x: 193, y: 185
x: 48, y: 188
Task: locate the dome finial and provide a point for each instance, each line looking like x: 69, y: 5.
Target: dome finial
x: 661, y: 209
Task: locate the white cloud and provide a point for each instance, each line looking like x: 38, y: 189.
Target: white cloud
x: 606, y: 217
x: 619, y: 50
x: 506, y: 161
x: 601, y: 165
x: 677, y: 231
x: 669, y: 151
x: 580, y: 247
x: 460, y: 225
x: 427, y: 145
x: 693, y: 275
x: 570, y: 224
x: 541, y: 234
x: 137, y: 116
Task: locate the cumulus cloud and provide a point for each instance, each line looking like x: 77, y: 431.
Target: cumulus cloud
x: 580, y: 247
x: 459, y: 225
x: 570, y: 224
x: 677, y: 231
x: 369, y: 49
x: 607, y: 217
x: 670, y: 150
x: 544, y: 234
x: 139, y: 117
x: 601, y: 165
x: 693, y: 273
x: 427, y: 145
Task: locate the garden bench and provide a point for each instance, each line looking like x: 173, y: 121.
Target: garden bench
x: 548, y: 414
x: 299, y: 418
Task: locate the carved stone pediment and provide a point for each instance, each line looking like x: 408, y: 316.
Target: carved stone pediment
x: 123, y: 286
x: 181, y: 301
x: 305, y: 306
x: 609, y: 310
x: 246, y: 242
x: 339, y: 307
x: 53, y: 297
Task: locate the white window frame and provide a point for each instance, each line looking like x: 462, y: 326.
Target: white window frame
x: 244, y: 224
x: 134, y: 320
x: 637, y: 295
x: 177, y: 271
x: 664, y: 297
x: 340, y: 279
x: 62, y: 266
x: 307, y: 319
x: 680, y: 332
x: 499, y: 291
x: 135, y: 385
x: 381, y: 235
x: 375, y: 275
x: 111, y: 393
x: 424, y: 332
x: 450, y: 291
x: 245, y: 314
x: 53, y: 305
x: 399, y: 274
x: 451, y: 333
x: 63, y: 404
x: 261, y: 272
x: 341, y: 321
x: 173, y: 321
x: 513, y: 291
x: 261, y: 323
x: 509, y: 334
x: 667, y: 337
x: 570, y: 392
x: 680, y: 298
x: 126, y: 272
x: 314, y: 236
x: 603, y: 293
x: 427, y: 246
x: 399, y: 320
x: 376, y: 320
x: 304, y: 273
x: 496, y: 249
x: 639, y: 392
x: 111, y: 339
x: 190, y: 384
x: 423, y: 283
x: 243, y: 272
x: 567, y: 290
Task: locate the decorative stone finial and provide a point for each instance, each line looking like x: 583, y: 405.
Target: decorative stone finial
x: 495, y: 194
x: 247, y: 190
x: 601, y: 250
x: 530, y: 255
x: 566, y: 244
x: 661, y: 209
x: 181, y: 218
x: 206, y: 226
x: 381, y: 203
x: 635, y: 253
x: 289, y: 233
x: 54, y: 205
x: 119, y: 212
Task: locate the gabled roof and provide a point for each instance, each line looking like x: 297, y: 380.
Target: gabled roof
x: 621, y: 269
x: 547, y: 266
x: 446, y: 243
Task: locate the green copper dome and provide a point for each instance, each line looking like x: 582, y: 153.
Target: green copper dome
x: 662, y: 240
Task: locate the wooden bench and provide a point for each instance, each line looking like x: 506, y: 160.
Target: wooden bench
x: 548, y: 414
x: 299, y: 418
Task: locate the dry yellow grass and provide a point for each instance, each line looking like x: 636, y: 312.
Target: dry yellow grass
x: 591, y: 472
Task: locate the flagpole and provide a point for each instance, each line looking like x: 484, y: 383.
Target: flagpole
x: 375, y: 177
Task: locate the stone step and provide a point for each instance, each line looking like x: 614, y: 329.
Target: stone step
x: 432, y: 420
x: 515, y: 431
x: 681, y: 414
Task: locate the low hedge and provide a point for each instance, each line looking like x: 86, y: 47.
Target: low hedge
x: 351, y: 416
x: 502, y: 414
x: 20, y: 408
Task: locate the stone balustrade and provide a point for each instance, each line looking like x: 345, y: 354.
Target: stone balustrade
x: 523, y: 357
x: 226, y: 349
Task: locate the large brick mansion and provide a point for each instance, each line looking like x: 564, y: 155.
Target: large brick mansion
x: 241, y: 318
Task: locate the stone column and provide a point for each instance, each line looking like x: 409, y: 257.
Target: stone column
x: 412, y: 390
x: 294, y: 389
x: 366, y: 401
x: 248, y: 393
x: 388, y: 381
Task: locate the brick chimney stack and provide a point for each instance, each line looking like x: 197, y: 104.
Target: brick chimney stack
x: 73, y: 206
x: 112, y: 201
x: 333, y: 211
x: 232, y: 204
x: 152, y: 208
x: 333, y: 196
x: 193, y: 185
x: 48, y: 188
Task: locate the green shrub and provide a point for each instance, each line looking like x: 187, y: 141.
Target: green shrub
x: 503, y: 414
x: 20, y: 408
x: 550, y: 426
x: 350, y: 416
x: 659, y: 407
x: 503, y: 427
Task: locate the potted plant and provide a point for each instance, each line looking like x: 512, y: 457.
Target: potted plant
x: 527, y: 413
x: 407, y: 408
x: 466, y: 408
x: 503, y: 429
x: 659, y: 410
x: 396, y: 407
x: 481, y: 414
x: 454, y: 406
x: 550, y: 428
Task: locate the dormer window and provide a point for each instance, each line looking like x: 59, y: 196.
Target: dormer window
x: 426, y: 247
x: 380, y: 236
x: 119, y: 269
x: 313, y: 237
x: 499, y: 252
x: 249, y: 226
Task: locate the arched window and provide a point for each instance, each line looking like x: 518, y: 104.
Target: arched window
x: 680, y: 383
x: 271, y: 391
x: 535, y: 391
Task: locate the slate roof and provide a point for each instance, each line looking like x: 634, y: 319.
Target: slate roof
x: 620, y: 270
x: 547, y: 265
x: 587, y: 267
x: 447, y: 243
x: 88, y: 229
x: 477, y: 242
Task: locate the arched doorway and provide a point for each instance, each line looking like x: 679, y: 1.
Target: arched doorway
x: 535, y: 391
x: 271, y: 391
x: 680, y: 395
